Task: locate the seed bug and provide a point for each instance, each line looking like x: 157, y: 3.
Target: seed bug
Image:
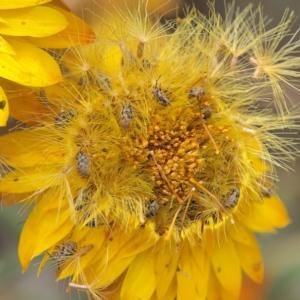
x: 83, y: 164
x: 126, y: 115
x: 68, y: 249
x: 153, y: 208
x: 196, y: 91
x: 95, y: 77
x: 102, y: 81
x: 233, y: 198
x: 199, y: 92
x: 92, y: 223
x: 207, y: 112
x: 266, y: 192
x: 83, y: 197
x: 160, y: 95
x: 145, y: 64
x: 63, y: 118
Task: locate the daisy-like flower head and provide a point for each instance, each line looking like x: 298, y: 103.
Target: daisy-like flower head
x: 152, y: 164
x: 24, y: 27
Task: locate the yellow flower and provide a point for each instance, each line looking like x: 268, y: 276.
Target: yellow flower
x: 151, y: 165
x: 26, y: 25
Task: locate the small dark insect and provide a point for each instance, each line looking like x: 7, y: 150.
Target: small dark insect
x: 63, y: 118
x: 92, y: 223
x: 83, y: 164
x: 95, y: 77
x: 68, y: 249
x: 83, y: 197
x: 233, y: 198
x: 160, y: 96
x: 266, y: 192
x: 102, y: 81
x: 207, y: 112
x: 196, y: 91
x: 153, y: 208
x: 146, y: 63
x: 83, y: 80
x: 126, y: 115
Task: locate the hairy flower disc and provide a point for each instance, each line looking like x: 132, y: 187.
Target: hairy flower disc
x: 150, y: 163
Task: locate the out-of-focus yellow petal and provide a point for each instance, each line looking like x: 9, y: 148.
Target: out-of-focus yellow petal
x: 216, y: 292
x: 226, y: 266
x: 165, y: 266
x: 202, y: 266
x: 170, y: 293
x: 139, y: 282
x: 186, y: 288
x: 265, y: 216
x: 11, y: 69
x: 18, y: 150
x: 120, y: 251
x: 35, y: 21
x: 248, y: 251
x: 4, y: 110
x: 12, y: 4
x: 41, y: 68
x: 44, y: 227
x: 251, y: 260
x: 240, y: 234
x: 8, y: 199
x: 76, y: 33
x: 29, y: 179
x: 5, y: 47
x: 27, y: 105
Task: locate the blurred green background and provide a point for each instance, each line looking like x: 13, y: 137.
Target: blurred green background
x: 281, y: 251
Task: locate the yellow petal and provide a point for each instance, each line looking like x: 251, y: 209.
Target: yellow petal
x: 186, y: 287
x: 215, y: 290
x: 240, y: 234
x: 170, y: 294
x: 76, y: 33
x: 19, y: 148
x: 35, y: 21
x: 4, y: 110
x: 88, y: 243
x: 115, y: 256
x: 5, y: 47
x: 11, y: 69
x: 8, y: 199
x: 142, y: 239
x: 226, y: 266
x: 165, y: 265
x: 44, y: 228
x: 41, y: 69
x: 139, y: 282
x: 11, y: 4
x: 29, y: 179
x: 251, y: 260
x: 202, y: 267
x: 266, y: 216
x: 28, y: 106
x: 20, y: 103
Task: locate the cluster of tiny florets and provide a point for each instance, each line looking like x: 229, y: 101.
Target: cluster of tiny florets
x: 156, y: 121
